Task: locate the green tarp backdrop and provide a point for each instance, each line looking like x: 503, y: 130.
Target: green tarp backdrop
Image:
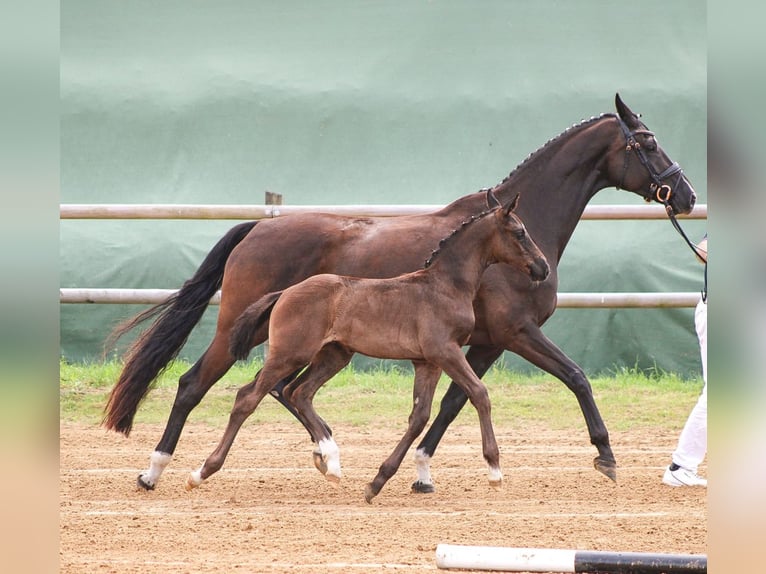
x: 363, y: 102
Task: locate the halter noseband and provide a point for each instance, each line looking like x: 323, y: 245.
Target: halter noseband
x: 662, y: 191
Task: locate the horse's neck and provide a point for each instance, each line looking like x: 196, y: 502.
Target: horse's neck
x: 462, y: 259
x: 557, y: 182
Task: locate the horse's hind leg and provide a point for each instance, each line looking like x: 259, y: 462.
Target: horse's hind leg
x: 192, y: 387
x: 328, y: 362
x: 426, y: 378
x: 278, y: 393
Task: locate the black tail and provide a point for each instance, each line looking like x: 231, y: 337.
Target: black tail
x: 159, y: 344
x: 247, y: 324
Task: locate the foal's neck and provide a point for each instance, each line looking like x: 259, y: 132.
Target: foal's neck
x: 462, y: 257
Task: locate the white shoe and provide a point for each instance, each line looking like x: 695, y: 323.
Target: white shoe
x: 682, y: 477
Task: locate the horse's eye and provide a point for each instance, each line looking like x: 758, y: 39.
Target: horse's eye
x: 519, y: 234
x: 651, y: 144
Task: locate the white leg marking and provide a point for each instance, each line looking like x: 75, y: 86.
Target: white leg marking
x: 331, y: 456
x: 194, y: 479
x: 423, y: 466
x: 157, y: 463
x: 495, y: 476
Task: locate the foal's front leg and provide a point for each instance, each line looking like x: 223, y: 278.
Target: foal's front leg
x: 456, y: 366
x: 426, y: 378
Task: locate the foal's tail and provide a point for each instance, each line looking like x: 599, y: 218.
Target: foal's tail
x: 247, y: 324
x: 150, y: 354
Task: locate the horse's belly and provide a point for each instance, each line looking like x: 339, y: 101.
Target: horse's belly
x: 381, y: 342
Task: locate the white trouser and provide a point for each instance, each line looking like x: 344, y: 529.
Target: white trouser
x: 692, y: 444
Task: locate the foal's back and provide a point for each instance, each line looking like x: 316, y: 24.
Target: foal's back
x: 393, y: 318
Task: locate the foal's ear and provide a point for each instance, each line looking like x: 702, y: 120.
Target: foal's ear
x: 492, y: 201
x: 512, y: 205
x: 625, y: 113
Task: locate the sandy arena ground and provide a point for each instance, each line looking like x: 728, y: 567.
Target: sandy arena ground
x: 269, y: 510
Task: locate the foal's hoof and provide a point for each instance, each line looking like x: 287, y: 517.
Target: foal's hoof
x: 606, y: 467
x: 369, y: 494
x: 319, y: 462
x: 495, y: 477
x: 419, y: 487
x: 193, y: 480
x: 143, y: 484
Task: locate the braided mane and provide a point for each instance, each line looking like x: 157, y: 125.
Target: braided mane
x: 530, y: 157
x: 555, y: 139
x: 443, y: 242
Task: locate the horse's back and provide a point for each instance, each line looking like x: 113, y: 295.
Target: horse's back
x: 281, y: 252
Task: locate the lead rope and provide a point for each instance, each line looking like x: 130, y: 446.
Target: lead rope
x: 691, y: 245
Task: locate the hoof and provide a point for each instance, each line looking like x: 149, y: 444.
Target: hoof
x: 496, y: 484
x: 193, y: 480
x: 332, y: 478
x: 369, y: 494
x: 419, y: 487
x: 142, y: 484
x: 319, y: 462
x: 606, y: 467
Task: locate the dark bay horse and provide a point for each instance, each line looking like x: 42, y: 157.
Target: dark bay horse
x: 425, y: 316
x: 255, y: 258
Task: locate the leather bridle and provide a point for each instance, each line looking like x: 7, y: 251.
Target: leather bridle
x: 659, y: 190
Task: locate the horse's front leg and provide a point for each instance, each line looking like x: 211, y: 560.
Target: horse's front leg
x: 426, y: 378
x: 535, y: 347
x: 480, y: 359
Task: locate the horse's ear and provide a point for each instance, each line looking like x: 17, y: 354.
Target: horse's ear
x: 625, y: 113
x: 512, y: 205
x: 492, y: 201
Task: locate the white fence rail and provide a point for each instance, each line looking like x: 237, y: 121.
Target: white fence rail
x: 248, y: 212
x: 572, y: 300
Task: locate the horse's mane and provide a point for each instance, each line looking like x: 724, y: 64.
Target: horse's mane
x: 443, y: 242
x: 538, y: 152
x: 553, y: 140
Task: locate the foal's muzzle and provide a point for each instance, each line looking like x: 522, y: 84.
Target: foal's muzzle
x: 539, y: 270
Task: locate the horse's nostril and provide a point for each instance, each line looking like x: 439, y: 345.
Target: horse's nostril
x: 539, y: 272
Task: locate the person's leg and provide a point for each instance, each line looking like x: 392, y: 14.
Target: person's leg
x: 692, y: 443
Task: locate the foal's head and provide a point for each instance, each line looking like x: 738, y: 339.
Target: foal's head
x: 512, y: 244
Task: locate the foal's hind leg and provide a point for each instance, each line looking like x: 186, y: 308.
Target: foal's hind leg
x: 331, y: 359
x: 426, y: 378
x: 248, y: 398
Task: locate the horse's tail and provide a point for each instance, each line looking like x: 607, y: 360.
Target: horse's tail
x: 150, y: 354
x: 247, y: 324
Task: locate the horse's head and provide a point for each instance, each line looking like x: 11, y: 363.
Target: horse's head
x: 638, y: 164
x: 514, y: 245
